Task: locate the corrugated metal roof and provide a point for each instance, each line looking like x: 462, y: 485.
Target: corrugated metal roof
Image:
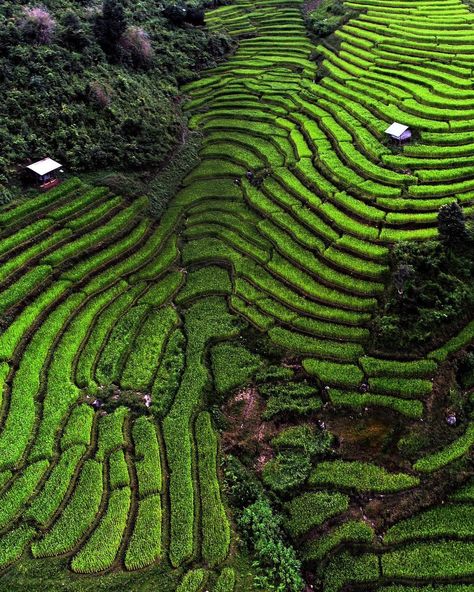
x: 396, y: 129
x: 45, y: 166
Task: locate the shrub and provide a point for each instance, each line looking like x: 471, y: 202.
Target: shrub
x: 287, y: 470
x: 37, y: 25
x: 136, y: 43
x: 452, y: 225
x: 280, y: 569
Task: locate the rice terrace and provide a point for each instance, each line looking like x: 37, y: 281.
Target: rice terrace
x: 237, y: 329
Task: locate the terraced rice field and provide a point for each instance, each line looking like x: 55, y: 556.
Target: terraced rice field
x: 101, y: 302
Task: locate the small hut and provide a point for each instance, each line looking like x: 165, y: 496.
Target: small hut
x: 399, y: 132
x: 45, y: 172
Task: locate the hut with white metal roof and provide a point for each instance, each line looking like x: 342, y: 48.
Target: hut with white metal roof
x: 399, y: 132
x: 45, y: 172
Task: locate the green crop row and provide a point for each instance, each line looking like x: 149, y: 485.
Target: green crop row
x: 430, y: 560
x: 349, y: 532
x: 215, y: 530
x: 24, y: 234
x: 144, y: 547
x: 465, y: 493
x: 41, y: 201
x: 111, y: 435
x: 193, y: 581
x: 360, y: 476
x: 102, y: 547
x: 147, y: 348
x: 26, y: 383
x: 452, y: 520
x: 207, y: 319
x: 95, y: 214
x: 407, y: 407
x: 160, y: 291
x: 23, y: 286
x: 345, y: 375
x: 168, y: 376
x: 80, y: 202
x: 401, y: 387
x: 284, y: 313
x: 14, y: 264
x: 232, y: 366
x: 12, y: 336
x: 451, y: 452
x: 147, y: 456
x: 110, y: 362
x: 111, y: 228
x: 20, y: 491
x: 301, y: 257
x: 312, y: 509
x: 226, y: 581
x: 13, y: 544
x: 107, y: 254
x: 78, y: 428
x: 345, y: 568
x: 304, y: 344
x: 118, y: 470
x: 206, y: 280
x: 454, y: 344
x: 260, y: 277
x: 107, y: 319
x: 77, y: 516
x: 61, y: 391
x: 378, y: 367
x: 54, y: 489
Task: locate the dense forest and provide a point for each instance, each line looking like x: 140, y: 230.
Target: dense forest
x: 96, y: 85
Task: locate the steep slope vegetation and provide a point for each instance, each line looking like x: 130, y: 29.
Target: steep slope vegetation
x: 277, y: 240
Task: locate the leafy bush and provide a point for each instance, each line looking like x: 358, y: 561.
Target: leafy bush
x: 280, y: 569
x: 287, y: 470
x: 431, y: 290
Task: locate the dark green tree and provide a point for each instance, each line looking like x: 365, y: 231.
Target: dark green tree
x: 452, y: 225
x: 110, y: 26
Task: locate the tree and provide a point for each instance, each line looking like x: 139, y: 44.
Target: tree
x: 452, y: 225
x: 73, y: 34
x: 110, y: 26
